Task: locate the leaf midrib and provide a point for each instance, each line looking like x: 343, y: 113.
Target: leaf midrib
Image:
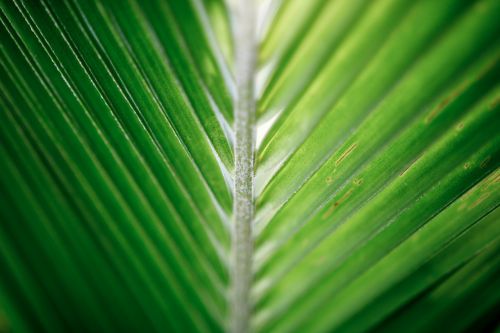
x: 244, y: 151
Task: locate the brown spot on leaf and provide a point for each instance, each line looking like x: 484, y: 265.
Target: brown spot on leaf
x: 336, y: 204
x: 357, y: 181
x: 485, y: 162
x: 437, y: 109
x: 346, y: 153
x: 479, y: 200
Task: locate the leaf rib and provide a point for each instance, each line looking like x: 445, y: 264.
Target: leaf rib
x: 243, y: 205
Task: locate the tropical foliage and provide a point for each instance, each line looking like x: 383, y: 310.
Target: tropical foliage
x: 375, y: 188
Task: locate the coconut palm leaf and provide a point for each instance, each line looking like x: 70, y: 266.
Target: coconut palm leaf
x: 266, y: 166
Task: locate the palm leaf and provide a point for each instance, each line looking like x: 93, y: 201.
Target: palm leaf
x: 273, y: 166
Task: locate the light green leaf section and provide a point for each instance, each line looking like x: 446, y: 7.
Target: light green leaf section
x: 376, y: 180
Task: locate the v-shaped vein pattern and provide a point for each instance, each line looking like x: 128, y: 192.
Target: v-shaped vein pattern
x: 394, y: 116
x: 116, y: 127
x: 377, y: 181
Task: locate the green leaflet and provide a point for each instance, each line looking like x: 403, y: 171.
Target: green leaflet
x: 465, y: 295
x: 375, y: 180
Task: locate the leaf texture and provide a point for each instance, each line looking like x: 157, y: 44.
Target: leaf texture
x: 376, y: 166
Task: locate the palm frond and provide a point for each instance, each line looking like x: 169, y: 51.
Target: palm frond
x: 272, y: 166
